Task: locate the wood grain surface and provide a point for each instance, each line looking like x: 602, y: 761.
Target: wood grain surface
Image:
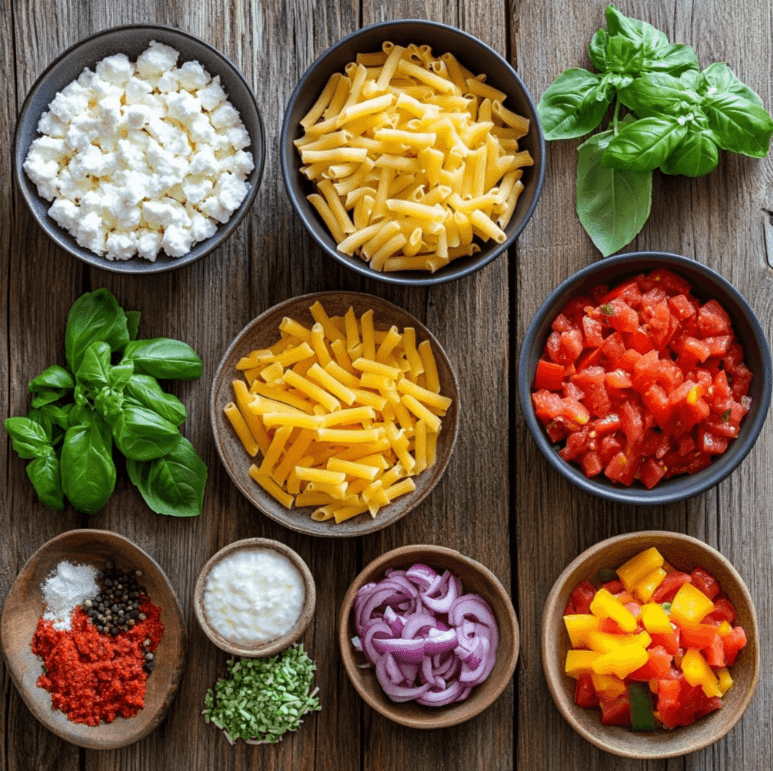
x: 498, y: 502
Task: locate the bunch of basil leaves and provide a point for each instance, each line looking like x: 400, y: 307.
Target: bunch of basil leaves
x: 680, y: 117
x: 80, y: 411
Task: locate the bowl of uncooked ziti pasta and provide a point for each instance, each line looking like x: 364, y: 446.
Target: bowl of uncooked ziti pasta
x: 335, y: 413
x: 645, y: 378
x: 412, y: 152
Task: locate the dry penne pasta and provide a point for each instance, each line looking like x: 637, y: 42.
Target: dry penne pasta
x: 413, y: 157
x: 346, y: 434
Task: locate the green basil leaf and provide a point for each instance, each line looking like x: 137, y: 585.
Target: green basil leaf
x: 109, y: 404
x: 132, y: 323
x: 44, y: 473
x: 721, y: 78
x: 94, y: 316
x: 739, y: 125
x: 145, y: 390
x: 30, y: 439
x: 37, y: 416
x: 672, y: 59
x: 174, y: 484
x: 597, y: 50
x: 46, y: 397
x: 625, y: 56
x: 691, y: 79
x: 81, y: 415
x: 612, y: 204
x: 141, y: 434
x: 120, y: 375
x: 94, y: 370
x: 697, y: 155
x: 165, y: 358
x: 634, y: 30
x: 645, y: 144
x: 53, y: 377
x: 569, y: 108
x: 87, y: 468
x: 656, y: 93
x: 58, y: 415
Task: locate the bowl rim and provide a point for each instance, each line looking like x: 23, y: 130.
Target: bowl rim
x: 402, y: 554
x: 635, y: 495
x: 57, y: 234
x: 172, y: 607
x: 400, y: 278
x: 270, y: 647
x: 215, y: 415
x: 554, y: 673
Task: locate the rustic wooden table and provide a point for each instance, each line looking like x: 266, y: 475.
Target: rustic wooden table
x: 499, y: 502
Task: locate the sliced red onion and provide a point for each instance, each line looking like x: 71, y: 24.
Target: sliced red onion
x: 357, y: 643
x: 428, y: 676
x: 464, y: 693
x: 396, y: 623
x: 410, y: 651
x: 438, y: 698
x: 382, y: 630
x: 415, y: 623
x: 397, y: 692
x: 378, y: 597
x: 421, y: 575
x: 410, y: 671
x: 400, y: 584
x: 443, y: 604
x: 440, y: 642
x: 392, y: 669
x: 474, y: 676
x: 474, y: 606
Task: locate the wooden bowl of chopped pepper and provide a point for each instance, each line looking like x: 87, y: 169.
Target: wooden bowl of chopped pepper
x: 86, y: 603
x: 650, y: 645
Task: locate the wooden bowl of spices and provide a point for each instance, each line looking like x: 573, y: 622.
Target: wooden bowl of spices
x: 255, y: 597
x: 76, y: 584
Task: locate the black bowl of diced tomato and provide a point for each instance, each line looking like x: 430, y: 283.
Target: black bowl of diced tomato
x: 645, y: 378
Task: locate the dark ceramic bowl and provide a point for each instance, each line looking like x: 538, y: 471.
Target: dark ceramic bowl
x: 132, y: 40
x: 707, y: 284
x: 478, y: 58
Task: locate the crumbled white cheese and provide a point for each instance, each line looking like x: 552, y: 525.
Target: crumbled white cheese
x: 139, y: 158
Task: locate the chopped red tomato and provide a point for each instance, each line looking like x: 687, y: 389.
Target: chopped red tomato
x: 584, y: 692
x: 617, y: 712
x: 643, y: 355
x: 703, y: 580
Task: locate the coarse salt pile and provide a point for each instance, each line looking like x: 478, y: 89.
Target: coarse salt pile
x: 141, y: 157
x: 65, y: 589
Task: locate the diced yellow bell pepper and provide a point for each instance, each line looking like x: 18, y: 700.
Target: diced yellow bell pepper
x: 697, y: 672
x: 608, y: 687
x: 646, y: 587
x: 579, y: 625
x: 606, y: 605
x: 579, y: 662
x: 604, y: 642
x: 655, y: 619
x: 643, y: 639
x: 725, y: 681
x: 690, y: 606
x: 640, y: 566
x: 621, y: 661
x: 724, y: 629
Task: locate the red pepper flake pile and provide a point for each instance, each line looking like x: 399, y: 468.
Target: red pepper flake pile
x: 93, y: 677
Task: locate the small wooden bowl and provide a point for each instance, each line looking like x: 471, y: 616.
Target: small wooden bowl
x: 24, y: 606
x: 263, y: 332
x: 476, y: 579
x: 272, y: 646
x: 684, y: 553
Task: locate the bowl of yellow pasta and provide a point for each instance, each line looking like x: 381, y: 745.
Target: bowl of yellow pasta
x: 335, y: 413
x: 412, y: 152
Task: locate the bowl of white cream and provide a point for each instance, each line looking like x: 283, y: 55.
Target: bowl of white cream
x: 255, y: 597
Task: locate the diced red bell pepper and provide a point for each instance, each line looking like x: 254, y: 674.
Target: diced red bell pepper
x: 669, y: 586
x: 724, y: 610
x: 698, y: 636
x: 668, y: 641
x: 549, y: 375
x: 733, y: 643
x: 668, y: 702
x: 582, y: 596
x: 608, y: 626
x: 705, y: 582
x: 658, y: 665
x: 584, y: 692
x: 617, y: 712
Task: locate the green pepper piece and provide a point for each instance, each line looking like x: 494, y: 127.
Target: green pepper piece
x: 642, y: 717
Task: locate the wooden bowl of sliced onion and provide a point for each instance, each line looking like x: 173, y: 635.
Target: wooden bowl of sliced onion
x: 428, y: 637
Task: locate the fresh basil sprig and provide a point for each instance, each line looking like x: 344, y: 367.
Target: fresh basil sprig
x: 679, y: 119
x: 79, y: 413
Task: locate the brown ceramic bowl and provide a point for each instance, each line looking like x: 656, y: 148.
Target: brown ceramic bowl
x: 476, y: 579
x: 272, y: 646
x: 263, y: 332
x: 684, y: 553
x: 24, y: 605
